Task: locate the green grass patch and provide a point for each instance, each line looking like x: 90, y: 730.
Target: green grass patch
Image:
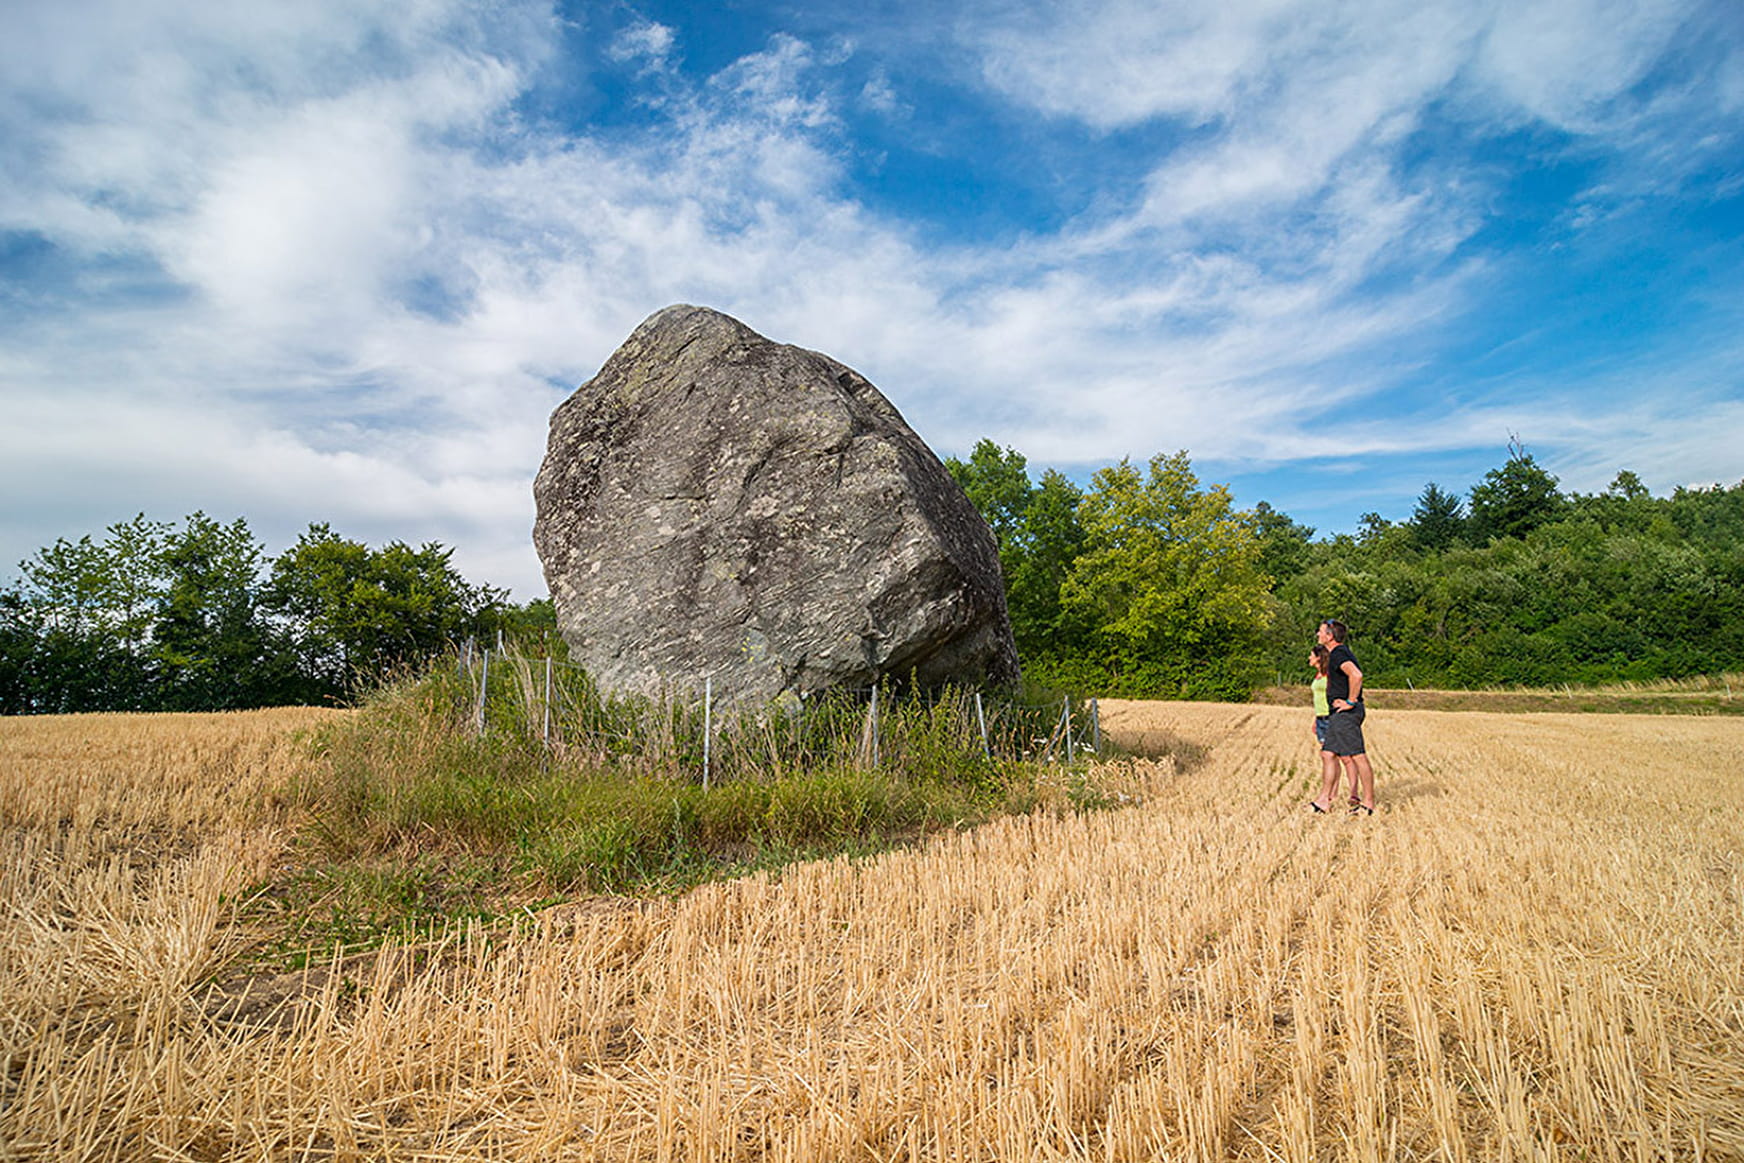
x: 415, y: 818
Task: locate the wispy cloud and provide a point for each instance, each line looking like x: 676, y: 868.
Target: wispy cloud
x: 317, y: 262
x: 646, y: 41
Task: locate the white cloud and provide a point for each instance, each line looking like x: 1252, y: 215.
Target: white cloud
x: 1564, y: 61
x: 1671, y: 417
x: 1277, y: 99
x: 1125, y: 61
x: 1114, y: 63
x: 647, y: 41
x: 879, y: 95
x: 371, y: 279
x: 768, y: 87
x: 285, y: 371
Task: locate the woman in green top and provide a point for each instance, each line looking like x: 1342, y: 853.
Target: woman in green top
x: 1319, y: 658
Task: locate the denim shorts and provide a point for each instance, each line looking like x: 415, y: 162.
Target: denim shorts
x: 1320, y: 728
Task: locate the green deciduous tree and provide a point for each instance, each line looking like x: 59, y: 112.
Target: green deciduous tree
x: 1614, y: 589
x: 997, y: 483
x: 1371, y: 527
x: 114, y: 585
x: 1170, y: 579
x: 214, y: 648
x: 354, y: 614
x: 1627, y: 486
x: 19, y: 633
x: 1284, y: 544
x: 1049, y: 540
x: 148, y: 617
x: 1037, y: 531
x: 78, y: 627
x: 1514, y: 499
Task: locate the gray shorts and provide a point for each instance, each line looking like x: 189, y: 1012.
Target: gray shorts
x: 1344, y: 731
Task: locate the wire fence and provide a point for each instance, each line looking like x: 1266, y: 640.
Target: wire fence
x: 689, y: 731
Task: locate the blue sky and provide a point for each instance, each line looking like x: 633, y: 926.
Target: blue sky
x: 331, y: 260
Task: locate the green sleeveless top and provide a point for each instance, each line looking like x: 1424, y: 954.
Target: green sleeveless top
x: 1321, y: 706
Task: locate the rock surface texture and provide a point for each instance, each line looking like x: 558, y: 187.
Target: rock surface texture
x: 715, y: 505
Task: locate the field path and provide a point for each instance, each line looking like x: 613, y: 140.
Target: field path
x: 1535, y: 949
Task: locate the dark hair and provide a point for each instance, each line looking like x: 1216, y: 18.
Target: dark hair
x: 1337, y: 629
x: 1322, y: 657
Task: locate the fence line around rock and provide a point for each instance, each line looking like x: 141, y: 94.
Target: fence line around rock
x: 557, y: 703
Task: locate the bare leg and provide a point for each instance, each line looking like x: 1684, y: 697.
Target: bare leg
x: 1328, y: 780
x: 1349, y: 762
x: 1366, y: 772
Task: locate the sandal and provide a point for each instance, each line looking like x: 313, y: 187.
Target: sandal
x: 1362, y: 810
x: 1318, y: 810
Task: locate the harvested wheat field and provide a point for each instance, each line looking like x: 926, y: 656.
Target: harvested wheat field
x: 1534, y: 950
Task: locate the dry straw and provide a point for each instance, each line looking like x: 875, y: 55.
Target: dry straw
x: 1535, y: 950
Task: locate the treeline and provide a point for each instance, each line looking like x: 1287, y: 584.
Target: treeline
x: 160, y: 616
x: 1147, y: 583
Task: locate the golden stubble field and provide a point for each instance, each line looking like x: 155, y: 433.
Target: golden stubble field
x: 1534, y: 950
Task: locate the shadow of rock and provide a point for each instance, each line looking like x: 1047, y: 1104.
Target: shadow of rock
x: 1187, y: 755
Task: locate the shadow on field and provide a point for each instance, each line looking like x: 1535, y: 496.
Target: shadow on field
x: 1409, y: 788
x: 1187, y: 755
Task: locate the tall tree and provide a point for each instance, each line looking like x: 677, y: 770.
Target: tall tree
x: 215, y: 648
x: 1627, y: 486
x: 1438, y: 521
x: 354, y: 613
x: 79, y: 625
x: 1170, y: 576
x: 1283, y: 543
x: 997, y: 483
x: 1038, y: 563
x: 1371, y: 527
x: 1514, y: 499
x: 158, y: 617
x: 20, y: 631
x: 114, y: 585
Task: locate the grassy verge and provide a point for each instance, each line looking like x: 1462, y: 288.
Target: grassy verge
x: 414, y: 818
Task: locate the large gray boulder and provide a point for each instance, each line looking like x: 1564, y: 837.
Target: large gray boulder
x: 715, y: 505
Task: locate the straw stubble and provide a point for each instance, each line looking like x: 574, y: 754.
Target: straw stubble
x: 1535, y: 949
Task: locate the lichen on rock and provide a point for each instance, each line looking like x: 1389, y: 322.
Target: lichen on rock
x: 716, y: 505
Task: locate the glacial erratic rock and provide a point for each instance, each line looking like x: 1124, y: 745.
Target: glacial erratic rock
x: 716, y: 505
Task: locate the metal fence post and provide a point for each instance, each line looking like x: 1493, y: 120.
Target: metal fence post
x: 547, y: 700
x: 1066, y: 710
x: 708, y: 706
x: 1096, y: 726
x: 981, y: 718
x: 483, y: 686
